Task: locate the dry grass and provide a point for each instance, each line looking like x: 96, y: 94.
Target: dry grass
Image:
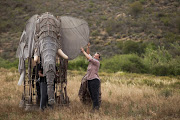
x: 124, y: 96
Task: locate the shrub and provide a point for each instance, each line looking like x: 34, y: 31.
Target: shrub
x: 159, y: 56
x: 131, y: 1
x: 129, y: 47
x: 95, y: 33
x: 90, y: 10
x: 109, y: 26
x: 10, y: 79
x: 166, y: 92
x: 165, y: 20
x: 178, y: 22
x: 114, y: 26
x: 160, y: 69
x: 136, y: 7
x: 103, y: 17
x: 160, y: 14
x: 149, y: 82
x: 80, y: 63
x: 175, y: 50
x: 171, y: 38
x: 160, y: 62
x: 120, y: 44
x: 175, y: 66
x: 8, y: 64
x: 129, y: 63
x: 142, y: 1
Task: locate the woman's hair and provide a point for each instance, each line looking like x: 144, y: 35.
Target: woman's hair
x: 99, y: 55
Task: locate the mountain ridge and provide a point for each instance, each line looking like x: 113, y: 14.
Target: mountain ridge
x: 110, y: 21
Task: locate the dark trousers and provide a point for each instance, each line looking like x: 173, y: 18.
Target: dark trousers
x: 44, y: 97
x: 93, y: 86
x: 38, y: 92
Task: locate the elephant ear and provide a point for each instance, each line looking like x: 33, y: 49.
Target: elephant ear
x: 74, y: 35
x: 26, y: 43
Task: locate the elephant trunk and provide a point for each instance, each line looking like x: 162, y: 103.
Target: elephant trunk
x: 48, y: 50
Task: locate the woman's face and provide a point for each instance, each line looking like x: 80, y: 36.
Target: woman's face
x: 96, y: 56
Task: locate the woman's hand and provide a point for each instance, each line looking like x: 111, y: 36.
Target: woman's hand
x: 82, y: 49
x: 88, y: 45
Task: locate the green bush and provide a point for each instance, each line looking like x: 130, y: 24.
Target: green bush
x: 160, y: 62
x: 175, y: 66
x: 175, y: 50
x: 103, y: 17
x: 129, y: 63
x: 159, y: 56
x: 149, y: 82
x: 90, y: 10
x: 178, y: 22
x: 129, y: 47
x: 114, y: 26
x: 166, y: 92
x: 142, y: 1
x: 80, y: 63
x: 165, y: 20
x: 136, y: 7
x: 95, y: 33
x: 120, y: 44
x: 130, y: 1
x: 171, y: 38
x: 8, y: 64
x: 160, y: 69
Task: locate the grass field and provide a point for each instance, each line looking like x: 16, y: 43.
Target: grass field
x: 125, y: 96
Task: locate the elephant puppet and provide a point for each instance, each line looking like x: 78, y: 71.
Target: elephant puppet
x: 46, y: 36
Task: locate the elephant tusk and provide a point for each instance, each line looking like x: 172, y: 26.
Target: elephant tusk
x: 61, y: 53
x: 36, y: 58
x: 21, y: 79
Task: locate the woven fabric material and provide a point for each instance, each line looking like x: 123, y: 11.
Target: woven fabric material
x: 74, y: 35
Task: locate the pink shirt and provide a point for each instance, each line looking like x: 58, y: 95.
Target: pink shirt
x: 93, y: 68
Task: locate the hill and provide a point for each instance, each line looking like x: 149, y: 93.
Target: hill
x: 110, y: 21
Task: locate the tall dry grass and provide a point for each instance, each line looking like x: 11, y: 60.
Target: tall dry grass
x: 124, y: 96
